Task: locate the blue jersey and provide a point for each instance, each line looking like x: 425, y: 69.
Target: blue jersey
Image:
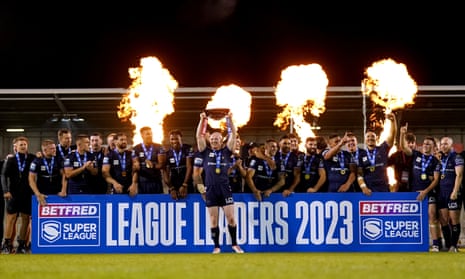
x: 309, y: 174
x: 78, y: 184
x: 447, y: 170
x: 264, y: 177
x: 338, y: 169
x: 48, y: 173
x: 423, y: 170
x: 373, y: 163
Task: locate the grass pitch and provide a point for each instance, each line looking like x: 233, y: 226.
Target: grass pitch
x: 229, y: 265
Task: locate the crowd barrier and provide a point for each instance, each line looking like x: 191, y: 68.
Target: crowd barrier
x: 318, y: 222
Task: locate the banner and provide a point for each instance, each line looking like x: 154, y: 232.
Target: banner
x: 317, y: 222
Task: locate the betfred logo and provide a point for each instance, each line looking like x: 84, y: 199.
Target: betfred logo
x: 69, y: 210
x: 388, y: 207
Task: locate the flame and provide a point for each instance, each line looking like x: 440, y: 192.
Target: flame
x: 389, y: 85
x: 301, y: 90
x: 237, y: 100
x: 150, y: 97
x: 390, y: 170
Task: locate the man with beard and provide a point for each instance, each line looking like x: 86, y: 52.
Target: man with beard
x: 288, y: 163
x: 372, y: 165
x: 313, y: 173
x: 97, y: 182
x: 118, y: 168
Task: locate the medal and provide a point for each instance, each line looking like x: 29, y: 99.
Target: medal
x: 307, y: 176
x: 443, y: 176
x: 218, y: 170
x: 372, y: 168
x: 343, y: 172
x: 423, y: 176
x: 149, y: 164
x: 123, y: 173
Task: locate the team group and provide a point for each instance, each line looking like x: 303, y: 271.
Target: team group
x: 220, y: 165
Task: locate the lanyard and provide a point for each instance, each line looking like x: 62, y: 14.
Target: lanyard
x: 48, y: 166
x: 424, y: 164
x: 122, y: 160
x: 342, y: 162
x: 148, y: 154
x: 444, y: 164
x: 372, y: 156
x: 308, y: 164
x: 177, y: 156
x: 61, y: 151
x: 285, y: 159
x: 218, y: 161
x: 21, y: 166
x: 78, y: 158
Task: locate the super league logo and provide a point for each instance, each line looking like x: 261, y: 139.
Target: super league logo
x: 372, y: 228
x: 51, y: 231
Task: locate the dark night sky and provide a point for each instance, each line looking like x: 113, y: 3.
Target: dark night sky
x: 212, y: 43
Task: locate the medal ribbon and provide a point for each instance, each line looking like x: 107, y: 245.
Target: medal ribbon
x: 78, y: 158
x: 49, y: 167
x: 444, y: 164
x: 122, y: 160
x: 148, y: 154
x: 61, y: 151
x: 218, y: 159
x: 341, y: 160
x: 424, y: 164
x: 177, y: 157
x: 308, y: 164
x: 21, y: 166
x: 372, y: 157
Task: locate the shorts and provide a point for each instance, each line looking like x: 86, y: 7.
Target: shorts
x: 219, y: 195
x: 21, y: 204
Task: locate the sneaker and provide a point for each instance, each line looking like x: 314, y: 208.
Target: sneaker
x: 237, y: 249
x: 453, y: 249
x: 435, y: 248
x: 216, y: 250
x: 7, y: 249
x: 21, y: 249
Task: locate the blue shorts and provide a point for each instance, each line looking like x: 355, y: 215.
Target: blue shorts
x: 219, y: 195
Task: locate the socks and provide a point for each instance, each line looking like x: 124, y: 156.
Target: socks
x: 216, y: 236
x: 233, y: 233
x: 455, y: 234
x: 447, y: 235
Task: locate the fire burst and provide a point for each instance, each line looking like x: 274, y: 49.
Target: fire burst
x: 389, y: 87
x: 236, y: 99
x: 150, y: 97
x: 302, y: 89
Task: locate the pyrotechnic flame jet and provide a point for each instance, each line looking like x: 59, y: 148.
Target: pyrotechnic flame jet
x: 301, y: 90
x: 149, y: 99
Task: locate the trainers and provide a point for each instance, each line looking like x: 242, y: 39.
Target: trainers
x: 435, y: 248
x: 216, y: 250
x: 237, y: 249
x: 7, y: 249
x: 21, y: 249
x: 453, y: 249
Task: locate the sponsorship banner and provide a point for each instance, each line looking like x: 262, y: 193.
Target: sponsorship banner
x: 318, y: 222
